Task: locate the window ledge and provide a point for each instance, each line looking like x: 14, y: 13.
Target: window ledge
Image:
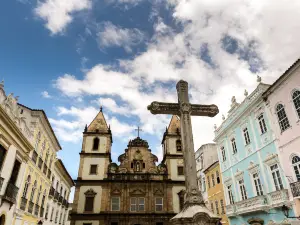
x: 290, y: 127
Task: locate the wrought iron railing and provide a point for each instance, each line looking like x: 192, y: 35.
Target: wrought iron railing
x: 1, y: 182
x: 41, y: 212
x: 56, y: 195
x: 51, y: 192
x: 36, y: 209
x: 34, y: 156
x: 11, y: 193
x: 30, y: 207
x: 45, y: 169
x: 49, y: 173
x: 23, y: 203
x: 136, y: 176
x: 40, y: 164
x: 295, y: 187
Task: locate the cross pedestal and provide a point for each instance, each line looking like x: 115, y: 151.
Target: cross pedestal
x: 194, y: 211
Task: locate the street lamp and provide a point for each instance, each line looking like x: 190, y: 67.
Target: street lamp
x: 286, y: 210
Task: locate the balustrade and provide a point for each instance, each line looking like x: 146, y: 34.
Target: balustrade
x: 34, y: 156
x: 256, y: 203
x: 56, y: 195
x: 279, y: 198
x: 36, y: 209
x: 230, y: 210
x: 30, y: 207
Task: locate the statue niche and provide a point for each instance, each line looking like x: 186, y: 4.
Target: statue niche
x: 138, y: 164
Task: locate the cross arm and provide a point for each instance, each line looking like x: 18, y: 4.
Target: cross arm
x: 164, y: 108
x: 204, y: 110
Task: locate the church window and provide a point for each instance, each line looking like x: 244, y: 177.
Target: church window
x: 89, y: 203
x: 257, y: 184
x: 246, y: 136
x: 276, y: 177
x: 178, y: 146
x: 230, y: 195
x: 242, y: 189
x: 33, y: 191
x: 2, y: 156
x: 137, y: 204
x: 212, y: 207
x: 233, y: 144
x: 223, y: 153
x: 296, y: 165
x: 262, y: 124
x: 93, y: 169
x: 217, y: 207
x: 222, y: 206
x: 218, y: 176
x: 213, y: 180
x: 115, y: 203
x: 180, y: 170
x: 158, y: 204
x: 208, y: 182
x: 96, y: 143
x: 282, y: 118
x: 296, y: 100
x: 26, y: 186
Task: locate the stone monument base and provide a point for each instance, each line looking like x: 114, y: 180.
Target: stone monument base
x: 195, y: 215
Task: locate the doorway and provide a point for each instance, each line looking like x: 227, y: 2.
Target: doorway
x: 2, y: 220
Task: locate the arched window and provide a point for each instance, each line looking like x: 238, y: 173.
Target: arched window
x: 26, y: 186
x: 282, y: 118
x: 39, y: 195
x: 96, y: 143
x: 296, y: 165
x: 178, y: 146
x: 33, y: 191
x: 296, y: 100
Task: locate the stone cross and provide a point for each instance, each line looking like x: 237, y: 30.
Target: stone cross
x: 138, y: 130
x: 185, y: 110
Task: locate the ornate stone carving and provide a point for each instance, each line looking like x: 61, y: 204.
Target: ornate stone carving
x: 90, y: 192
x: 138, y: 142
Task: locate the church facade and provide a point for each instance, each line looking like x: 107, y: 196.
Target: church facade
x: 134, y: 191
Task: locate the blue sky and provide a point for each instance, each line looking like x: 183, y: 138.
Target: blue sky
x: 68, y: 57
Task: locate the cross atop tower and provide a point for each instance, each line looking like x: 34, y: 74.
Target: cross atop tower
x: 138, y: 130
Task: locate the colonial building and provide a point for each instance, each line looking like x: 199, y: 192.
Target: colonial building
x: 283, y: 107
x: 28, y: 149
x: 254, y: 181
x: 215, y: 192
x: 134, y: 191
x: 205, y: 156
x: 15, y: 145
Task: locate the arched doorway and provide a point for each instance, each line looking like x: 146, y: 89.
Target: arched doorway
x: 2, y: 220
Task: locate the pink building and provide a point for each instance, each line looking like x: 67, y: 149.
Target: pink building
x: 283, y: 101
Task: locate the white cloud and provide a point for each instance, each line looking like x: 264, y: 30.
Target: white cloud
x: 253, y: 26
x: 59, y: 13
x: 110, y: 35
x: 45, y: 94
x: 111, y: 105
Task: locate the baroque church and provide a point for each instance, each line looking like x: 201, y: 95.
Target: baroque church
x: 135, y: 191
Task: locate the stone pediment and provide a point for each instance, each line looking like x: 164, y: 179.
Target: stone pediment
x: 138, y: 142
x: 137, y: 192
x: 90, y: 192
x: 253, y: 168
x: 158, y: 192
x: 239, y: 175
x: 227, y: 181
x: 271, y: 159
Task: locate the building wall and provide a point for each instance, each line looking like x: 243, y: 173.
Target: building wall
x: 216, y: 192
x: 288, y: 141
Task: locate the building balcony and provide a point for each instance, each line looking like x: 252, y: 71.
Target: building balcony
x: 279, y: 198
x: 295, y: 187
x: 137, y: 176
x: 23, y: 203
x: 258, y: 203
x: 36, y: 210
x: 51, y: 192
x: 34, y: 156
x: 30, y: 207
x: 41, y: 212
x: 40, y: 164
x: 11, y: 193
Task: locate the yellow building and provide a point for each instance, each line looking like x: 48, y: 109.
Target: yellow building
x: 215, y: 191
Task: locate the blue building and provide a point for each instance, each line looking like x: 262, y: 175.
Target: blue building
x: 254, y: 183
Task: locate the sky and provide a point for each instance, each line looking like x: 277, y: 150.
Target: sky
x: 69, y: 57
